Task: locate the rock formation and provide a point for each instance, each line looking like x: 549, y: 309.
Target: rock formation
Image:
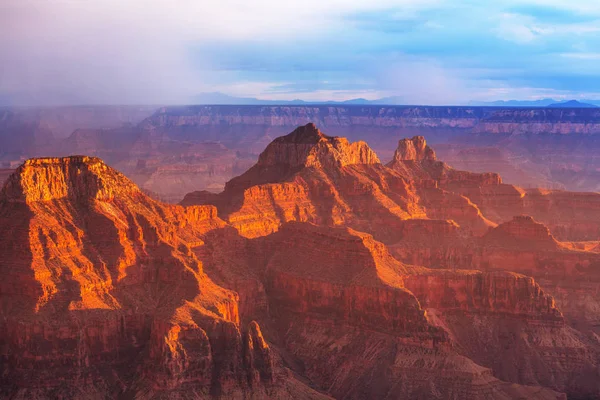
x: 318, y: 273
x: 325, y: 288
x: 102, y: 295
x: 309, y: 176
x: 414, y: 149
x: 418, y: 162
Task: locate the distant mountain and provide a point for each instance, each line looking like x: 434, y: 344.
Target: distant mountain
x: 572, y: 104
x: 217, y: 98
x: 515, y: 103
x: 538, y: 103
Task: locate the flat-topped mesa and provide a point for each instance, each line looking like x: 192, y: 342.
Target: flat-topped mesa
x: 522, y: 230
x: 415, y: 149
x: 74, y: 177
x: 307, y: 146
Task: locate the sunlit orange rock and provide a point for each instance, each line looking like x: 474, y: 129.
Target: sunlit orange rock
x: 103, y: 296
x: 309, y: 176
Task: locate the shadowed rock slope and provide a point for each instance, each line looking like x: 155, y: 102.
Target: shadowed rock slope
x: 346, y: 314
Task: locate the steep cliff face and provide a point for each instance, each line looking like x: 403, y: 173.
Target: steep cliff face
x: 570, y: 216
x: 435, y: 182
x: 74, y: 178
x: 359, y: 283
x: 503, y: 319
x: 100, y: 278
x: 543, y: 147
x: 502, y: 120
x: 417, y: 161
x: 308, y: 176
x: 341, y: 281
x: 570, y: 274
x: 338, y: 307
x: 474, y: 291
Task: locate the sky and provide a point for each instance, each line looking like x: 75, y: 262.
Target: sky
x: 422, y: 51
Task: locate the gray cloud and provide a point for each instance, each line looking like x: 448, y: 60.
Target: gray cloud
x: 65, y: 52
x: 168, y: 51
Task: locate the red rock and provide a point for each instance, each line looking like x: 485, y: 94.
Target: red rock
x: 308, y: 176
x: 328, y: 286
x: 414, y: 149
x: 102, y: 292
x: 102, y: 278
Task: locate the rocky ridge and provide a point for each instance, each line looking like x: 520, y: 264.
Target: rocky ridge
x: 286, y: 297
x: 100, y: 278
x: 334, y: 185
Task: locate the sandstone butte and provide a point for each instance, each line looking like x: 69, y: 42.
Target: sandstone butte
x: 299, y: 292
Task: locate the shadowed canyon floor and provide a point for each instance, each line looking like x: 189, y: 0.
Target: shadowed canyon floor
x: 318, y: 273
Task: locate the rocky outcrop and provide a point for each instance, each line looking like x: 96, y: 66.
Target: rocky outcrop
x: 101, y: 278
x: 308, y: 176
x: 342, y: 281
x: 435, y: 182
x: 417, y: 161
x: 75, y: 178
x: 307, y: 147
x: 414, y: 149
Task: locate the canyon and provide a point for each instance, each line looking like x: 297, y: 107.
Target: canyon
x: 346, y: 264
x: 318, y: 273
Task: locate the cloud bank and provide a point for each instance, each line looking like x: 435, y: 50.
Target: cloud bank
x: 426, y: 52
